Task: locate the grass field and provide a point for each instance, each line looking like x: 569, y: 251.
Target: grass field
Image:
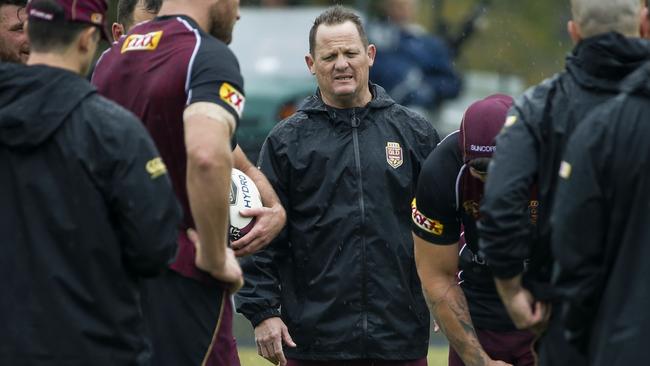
x: 249, y: 357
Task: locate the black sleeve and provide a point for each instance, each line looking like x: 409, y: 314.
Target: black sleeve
x: 216, y: 78
x: 259, y: 298
x: 579, y: 228
x: 141, y: 199
x: 434, y: 210
x: 513, y: 168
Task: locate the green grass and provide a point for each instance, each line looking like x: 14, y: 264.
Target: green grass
x: 248, y: 356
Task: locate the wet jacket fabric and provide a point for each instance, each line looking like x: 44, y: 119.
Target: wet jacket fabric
x: 530, y: 148
x: 601, y: 231
x: 342, y: 274
x: 87, y: 210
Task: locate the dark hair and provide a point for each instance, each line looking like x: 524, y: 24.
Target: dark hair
x: 51, y: 36
x: 480, y: 164
x: 333, y: 16
x: 125, y: 9
x: 21, y: 3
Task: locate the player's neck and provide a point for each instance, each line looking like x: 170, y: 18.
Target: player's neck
x: 61, y: 61
x: 199, y: 15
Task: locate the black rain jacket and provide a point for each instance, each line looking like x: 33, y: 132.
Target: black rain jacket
x: 601, y: 230
x: 86, y: 211
x: 342, y: 274
x: 530, y: 148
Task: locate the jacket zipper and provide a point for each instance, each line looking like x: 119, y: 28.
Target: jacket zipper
x: 357, y: 158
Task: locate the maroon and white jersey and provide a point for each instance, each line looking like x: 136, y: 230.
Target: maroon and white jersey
x: 155, y: 71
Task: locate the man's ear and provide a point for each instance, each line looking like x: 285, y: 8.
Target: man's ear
x: 644, y: 26
x: 118, y: 31
x: 372, y: 52
x: 574, y: 31
x: 88, y: 39
x: 309, y: 60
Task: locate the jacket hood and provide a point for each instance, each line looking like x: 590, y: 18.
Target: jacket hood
x: 602, y: 61
x: 638, y: 82
x: 380, y: 99
x: 34, y: 103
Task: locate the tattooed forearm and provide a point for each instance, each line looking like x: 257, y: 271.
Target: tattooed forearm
x: 449, y: 307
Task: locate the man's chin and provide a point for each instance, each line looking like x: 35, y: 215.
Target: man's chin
x: 343, y: 91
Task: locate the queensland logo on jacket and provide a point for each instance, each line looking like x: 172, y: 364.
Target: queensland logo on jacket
x: 429, y: 225
x: 142, y: 42
x: 232, y: 97
x: 394, y: 154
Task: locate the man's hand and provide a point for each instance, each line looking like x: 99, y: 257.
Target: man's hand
x: 269, y: 336
x: 524, y: 310
x: 269, y: 221
x: 230, y: 272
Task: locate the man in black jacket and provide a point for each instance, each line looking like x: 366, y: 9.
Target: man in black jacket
x: 341, y: 276
x: 87, y: 207
x: 529, y: 152
x: 601, y: 231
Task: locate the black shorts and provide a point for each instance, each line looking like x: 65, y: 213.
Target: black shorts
x: 189, y: 322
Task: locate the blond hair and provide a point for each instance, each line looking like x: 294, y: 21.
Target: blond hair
x: 596, y: 17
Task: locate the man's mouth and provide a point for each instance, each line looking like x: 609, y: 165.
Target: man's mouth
x: 343, y: 78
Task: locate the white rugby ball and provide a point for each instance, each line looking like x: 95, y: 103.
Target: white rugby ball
x: 243, y: 194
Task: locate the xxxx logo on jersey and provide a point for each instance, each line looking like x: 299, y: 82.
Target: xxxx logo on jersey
x: 142, y: 42
x: 232, y: 97
x: 429, y: 225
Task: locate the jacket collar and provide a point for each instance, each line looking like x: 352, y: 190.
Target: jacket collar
x: 600, y: 62
x: 380, y: 99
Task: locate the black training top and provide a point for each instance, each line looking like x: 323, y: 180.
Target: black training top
x: 445, y: 211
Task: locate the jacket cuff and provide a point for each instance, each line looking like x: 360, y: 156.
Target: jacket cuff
x: 505, y: 271
x: 262, y: 316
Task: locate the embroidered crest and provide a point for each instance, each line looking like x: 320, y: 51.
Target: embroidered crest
x: 394, y: 155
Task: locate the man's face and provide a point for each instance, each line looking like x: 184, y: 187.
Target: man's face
x: 14, y: 45
x: 341, y: 64
x: 224, y: 14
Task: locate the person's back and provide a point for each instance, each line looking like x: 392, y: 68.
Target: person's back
x: 530, y: 149
x: 602, y: 231
x: 154, y: 72
x: 184, y: 84
x: 539, y: 125
x: 88, y: 211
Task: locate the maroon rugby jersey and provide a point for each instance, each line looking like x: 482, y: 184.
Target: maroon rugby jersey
x: 155, y: 71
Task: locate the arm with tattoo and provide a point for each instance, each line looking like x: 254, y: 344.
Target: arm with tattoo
x: 437, y: 266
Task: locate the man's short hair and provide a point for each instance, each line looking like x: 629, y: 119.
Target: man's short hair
x: 596, y: 17
x: 46, y: 36
x: 333, y: 16
x: 125, y: 9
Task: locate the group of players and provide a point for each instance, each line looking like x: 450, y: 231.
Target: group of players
x: 537, y: 260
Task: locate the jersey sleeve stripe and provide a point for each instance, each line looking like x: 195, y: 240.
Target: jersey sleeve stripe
x: 460, y: 174
x: 188, y: 91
